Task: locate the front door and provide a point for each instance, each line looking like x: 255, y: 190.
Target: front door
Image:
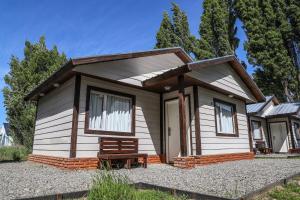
x: 172, y: 128
x: 279, y: 137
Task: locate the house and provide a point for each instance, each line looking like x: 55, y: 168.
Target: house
x: 178, y: 109
x: 5, y: 137
x: 276, y: 124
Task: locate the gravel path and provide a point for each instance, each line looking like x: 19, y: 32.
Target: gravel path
x: 231, y: 179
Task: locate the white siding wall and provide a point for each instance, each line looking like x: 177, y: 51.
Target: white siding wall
x: 54, y: 122
x: 147, y: 119
x: 191, y: 129
x: 264, y: 130
x: 212, y: 144
x: 224, y: 77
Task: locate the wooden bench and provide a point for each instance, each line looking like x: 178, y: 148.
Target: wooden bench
x: 261, y: 147
x: 112, y: 148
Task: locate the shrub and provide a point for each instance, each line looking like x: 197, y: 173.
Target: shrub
x: 13, y: 153
x: 106, y: 186
x: 109, y: 186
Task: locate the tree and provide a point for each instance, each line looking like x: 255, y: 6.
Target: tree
x: 268, y: 31
x: 214, y: 30
x: 165, y: 35
x: 175, y: 32
x: 24, y: 75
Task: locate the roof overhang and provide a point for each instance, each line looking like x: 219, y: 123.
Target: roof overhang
x: 67, y: 71
x: 232, y: 60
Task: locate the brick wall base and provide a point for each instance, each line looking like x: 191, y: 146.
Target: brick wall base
x: 297, y: 150
x: 66, y: 163
x: 211, y: 159
x: 83, y: 163
x: 155, y: 159
x: 184, y: 162
x: 192, y: 161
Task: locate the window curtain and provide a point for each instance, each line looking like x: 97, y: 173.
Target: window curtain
x: 225, y: 120
x: 109, y: 113
x: 256, y: 131
x: 96, y: 111
x: 118, y: 117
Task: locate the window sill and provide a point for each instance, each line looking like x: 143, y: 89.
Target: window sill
x: 98, y: 132
x: 227, y: 134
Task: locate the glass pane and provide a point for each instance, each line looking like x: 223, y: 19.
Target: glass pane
x: 118, y: 114
x: 225, y: 118
x: 96, y: 111
x: 256, y: 130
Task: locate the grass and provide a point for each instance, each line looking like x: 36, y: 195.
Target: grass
x: 290, y: 191
x: 108, y: 186
x: 13, y: 153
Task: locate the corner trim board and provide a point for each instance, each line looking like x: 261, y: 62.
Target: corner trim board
x: 197, y: 120
x: 73, y: 145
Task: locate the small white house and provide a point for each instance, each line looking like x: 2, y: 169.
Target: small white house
x: 275, y: 124
x: 5, y: 138
x: 175, y: 107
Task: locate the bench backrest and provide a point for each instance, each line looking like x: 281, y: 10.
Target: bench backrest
x: 112, y: 145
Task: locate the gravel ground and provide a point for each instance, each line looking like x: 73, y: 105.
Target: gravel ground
x: 231, y: 179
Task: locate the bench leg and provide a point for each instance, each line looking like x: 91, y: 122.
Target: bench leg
x: 128, y: 164
x: 145, y: 162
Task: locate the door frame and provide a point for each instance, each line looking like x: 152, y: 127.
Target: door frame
x: 164, y: 124
x: 287, y: 132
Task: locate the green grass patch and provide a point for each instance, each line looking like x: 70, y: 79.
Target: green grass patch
x: 291, y: 191
x: 109, y: 186
x: 13, y: 153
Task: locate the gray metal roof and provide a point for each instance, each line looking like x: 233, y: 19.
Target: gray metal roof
x: 285, y: 108
x: 256, y: 107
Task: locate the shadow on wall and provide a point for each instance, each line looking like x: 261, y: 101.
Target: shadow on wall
x: 152, y: 123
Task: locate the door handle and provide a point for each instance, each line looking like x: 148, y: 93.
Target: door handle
x: 169, y: 131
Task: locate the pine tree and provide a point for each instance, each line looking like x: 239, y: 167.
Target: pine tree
x: 175, y: 32
x: 25, y: 75
x: 234, y: 41
x: 165, y: 35
x: 214, y: 30
x: 268, y: 32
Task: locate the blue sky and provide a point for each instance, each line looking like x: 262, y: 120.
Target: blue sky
x: 90, y: 27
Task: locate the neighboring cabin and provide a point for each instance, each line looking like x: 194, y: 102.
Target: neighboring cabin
x: 275, y: 124
x: 5, y: 137
x: 174, y: 106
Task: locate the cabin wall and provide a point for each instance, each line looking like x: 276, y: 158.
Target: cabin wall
x: 265, y: 136
x: 211, y: 143
x: 147, y: 124
x: 53, y: 124
x: 224, y: 77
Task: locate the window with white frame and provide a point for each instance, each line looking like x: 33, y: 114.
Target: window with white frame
x: 225, y: 119
x: 256, y: 130
x: 110, y: 112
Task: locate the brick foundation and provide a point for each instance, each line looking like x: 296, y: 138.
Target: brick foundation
x: 297, y: 150
x: 83, y: 163
x: 184, y: 162
x: 66, y: 163
x: 192, y: 161
x: 211, y: 159
x: 155, y: 159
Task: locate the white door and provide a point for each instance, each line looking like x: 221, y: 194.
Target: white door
x: 172, y: 128
x: 279, y: 137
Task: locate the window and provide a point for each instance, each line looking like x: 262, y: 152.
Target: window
x: 109, y: 112
x: 225, y: 117
x: 256, y: 130
x: 297, y: 131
